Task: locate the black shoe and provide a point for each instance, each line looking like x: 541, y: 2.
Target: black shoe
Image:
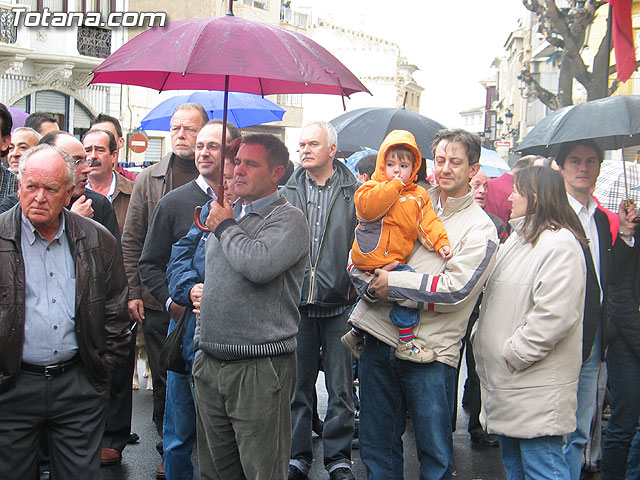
x: 343, y: 473
x: 295, y: 473
x: 486, y: 439
x: 133, y: 438
x: 318, y: 427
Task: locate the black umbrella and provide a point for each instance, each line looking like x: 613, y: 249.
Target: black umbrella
x: 367, y: 127
x: 613, y: 122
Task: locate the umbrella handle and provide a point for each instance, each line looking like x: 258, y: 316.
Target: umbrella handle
x: 197, y: 221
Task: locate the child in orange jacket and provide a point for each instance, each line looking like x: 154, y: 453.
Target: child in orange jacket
x: 393, y: 212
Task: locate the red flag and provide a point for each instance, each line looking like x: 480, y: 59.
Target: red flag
x: 623, y: 38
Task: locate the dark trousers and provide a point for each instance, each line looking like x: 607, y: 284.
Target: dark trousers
x: 118, y: 426
x: 155, y: 327
x: 68, y: 410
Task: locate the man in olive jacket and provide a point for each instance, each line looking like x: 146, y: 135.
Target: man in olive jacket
x: 64, y: 324
x: 323, y: 189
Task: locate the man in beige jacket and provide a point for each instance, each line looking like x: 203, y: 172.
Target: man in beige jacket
x: 445, y: 292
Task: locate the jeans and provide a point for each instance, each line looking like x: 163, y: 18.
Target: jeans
x: 389, y: 388
x: 576, y: 442
x: 538, y: 458
x: 624, y: 385
x: 633, y: 465
x: 179, y: 429
x: 404, y: 317
x: 314, y: 333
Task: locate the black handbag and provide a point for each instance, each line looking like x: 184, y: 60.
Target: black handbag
x: 171, y: 353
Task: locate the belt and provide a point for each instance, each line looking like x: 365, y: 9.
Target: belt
x: 51, y: 370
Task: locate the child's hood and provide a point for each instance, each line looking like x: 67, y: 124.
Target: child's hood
x: 397, y: 137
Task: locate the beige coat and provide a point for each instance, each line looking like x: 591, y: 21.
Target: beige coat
x: 445, y: 291
x: 531, y: 317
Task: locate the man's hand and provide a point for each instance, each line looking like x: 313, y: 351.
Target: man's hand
x: 83, y: 207
x: 511, y: 368
x: 136, y: 310
x: 628, y: 217
x: 380, y: 283
x: 218, y: 214
x: 176, y: 310
x: 195, y: 294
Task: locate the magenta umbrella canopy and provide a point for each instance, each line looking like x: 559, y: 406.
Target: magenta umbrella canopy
x: 197, y: 54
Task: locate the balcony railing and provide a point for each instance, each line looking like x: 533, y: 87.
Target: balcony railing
x: 94, y: 41
x: 8, y: 33
x: 293, y: 17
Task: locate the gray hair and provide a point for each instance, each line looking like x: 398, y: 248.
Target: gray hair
x: 194, y: 106
x: 27, y: 129
x: 68, y: 160
x: 332, y: 136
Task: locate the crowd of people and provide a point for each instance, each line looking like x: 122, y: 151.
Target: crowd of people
x: 526, y: 275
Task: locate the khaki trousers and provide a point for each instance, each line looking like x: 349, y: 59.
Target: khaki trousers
x: 243, y: 412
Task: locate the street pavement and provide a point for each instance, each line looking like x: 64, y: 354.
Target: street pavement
x: 471, y: 462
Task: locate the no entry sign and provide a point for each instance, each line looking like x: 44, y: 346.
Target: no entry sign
x: 138, y: 143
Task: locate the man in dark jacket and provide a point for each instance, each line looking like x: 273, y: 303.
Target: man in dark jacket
x: 63, y: 326
x: 623, y: 353
x: 323, y: 189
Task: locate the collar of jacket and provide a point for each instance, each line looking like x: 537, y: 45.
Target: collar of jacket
x: 123, y: 185
x: 11, y: 230
x: 163, y: 166
x: 453, y: 204
x: 345, y: 177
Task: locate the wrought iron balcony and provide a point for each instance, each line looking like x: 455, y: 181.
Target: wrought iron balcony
x: 94, y: 41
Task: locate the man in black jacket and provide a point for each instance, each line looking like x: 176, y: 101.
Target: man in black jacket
x: 323, y: 189
x: 63, y: 324
x: 623, y: 353
x: 579, y: 164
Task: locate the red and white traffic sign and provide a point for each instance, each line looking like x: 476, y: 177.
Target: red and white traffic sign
x: 502, y: 143
x: 138, y: 143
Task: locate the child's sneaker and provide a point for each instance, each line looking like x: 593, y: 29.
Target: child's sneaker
x: 415, y: 353
x: 353, y: 342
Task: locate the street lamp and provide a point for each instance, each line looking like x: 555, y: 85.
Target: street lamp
x: 508, y: 118
x: 499, y: 123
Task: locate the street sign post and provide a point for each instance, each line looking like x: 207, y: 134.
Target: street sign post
x: 502, y: 144
x: 138, y: 143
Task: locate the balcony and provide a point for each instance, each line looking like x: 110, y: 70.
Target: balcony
x: 8, y: 33
x: 293, y: 17
x: 94, y: 41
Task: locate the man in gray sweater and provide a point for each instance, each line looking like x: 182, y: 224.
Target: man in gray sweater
x: 245, y: 371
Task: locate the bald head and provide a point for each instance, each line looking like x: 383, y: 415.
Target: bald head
x: 480, y: 186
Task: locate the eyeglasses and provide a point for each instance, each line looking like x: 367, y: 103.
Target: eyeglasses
x: 89, y: 161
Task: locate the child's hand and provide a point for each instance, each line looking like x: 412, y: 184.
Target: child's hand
x: 445, y: 252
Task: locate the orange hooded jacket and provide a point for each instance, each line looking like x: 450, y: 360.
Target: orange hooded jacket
x: 392, y: 215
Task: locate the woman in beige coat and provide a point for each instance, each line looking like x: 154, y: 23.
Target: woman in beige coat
x: 528, y: 340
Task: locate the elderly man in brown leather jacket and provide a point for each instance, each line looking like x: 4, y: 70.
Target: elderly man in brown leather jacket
x: 63, y: 324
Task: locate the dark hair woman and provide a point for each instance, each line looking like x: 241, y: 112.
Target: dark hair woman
x: 528, y: 340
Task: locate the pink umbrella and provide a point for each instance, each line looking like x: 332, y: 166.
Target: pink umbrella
x: 227, y: 53
x: 17, y: 116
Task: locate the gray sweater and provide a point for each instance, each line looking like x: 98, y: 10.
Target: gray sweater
x: 253, y: 283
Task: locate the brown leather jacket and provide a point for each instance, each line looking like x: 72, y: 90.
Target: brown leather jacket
x: 101, y: 317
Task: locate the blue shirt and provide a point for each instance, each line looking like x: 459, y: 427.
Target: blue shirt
x: 50, y: 296
x: 240, y: 210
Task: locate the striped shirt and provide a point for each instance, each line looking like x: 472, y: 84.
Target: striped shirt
x: 8, y: 182
x: 318, y: 199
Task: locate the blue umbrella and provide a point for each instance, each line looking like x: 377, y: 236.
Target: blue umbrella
x: 492, y: 163
x: 245, y: 109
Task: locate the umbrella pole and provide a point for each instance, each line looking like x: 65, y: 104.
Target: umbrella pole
x: 223, y: 150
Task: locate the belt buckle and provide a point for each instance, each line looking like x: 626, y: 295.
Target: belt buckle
x: 51, y: 370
